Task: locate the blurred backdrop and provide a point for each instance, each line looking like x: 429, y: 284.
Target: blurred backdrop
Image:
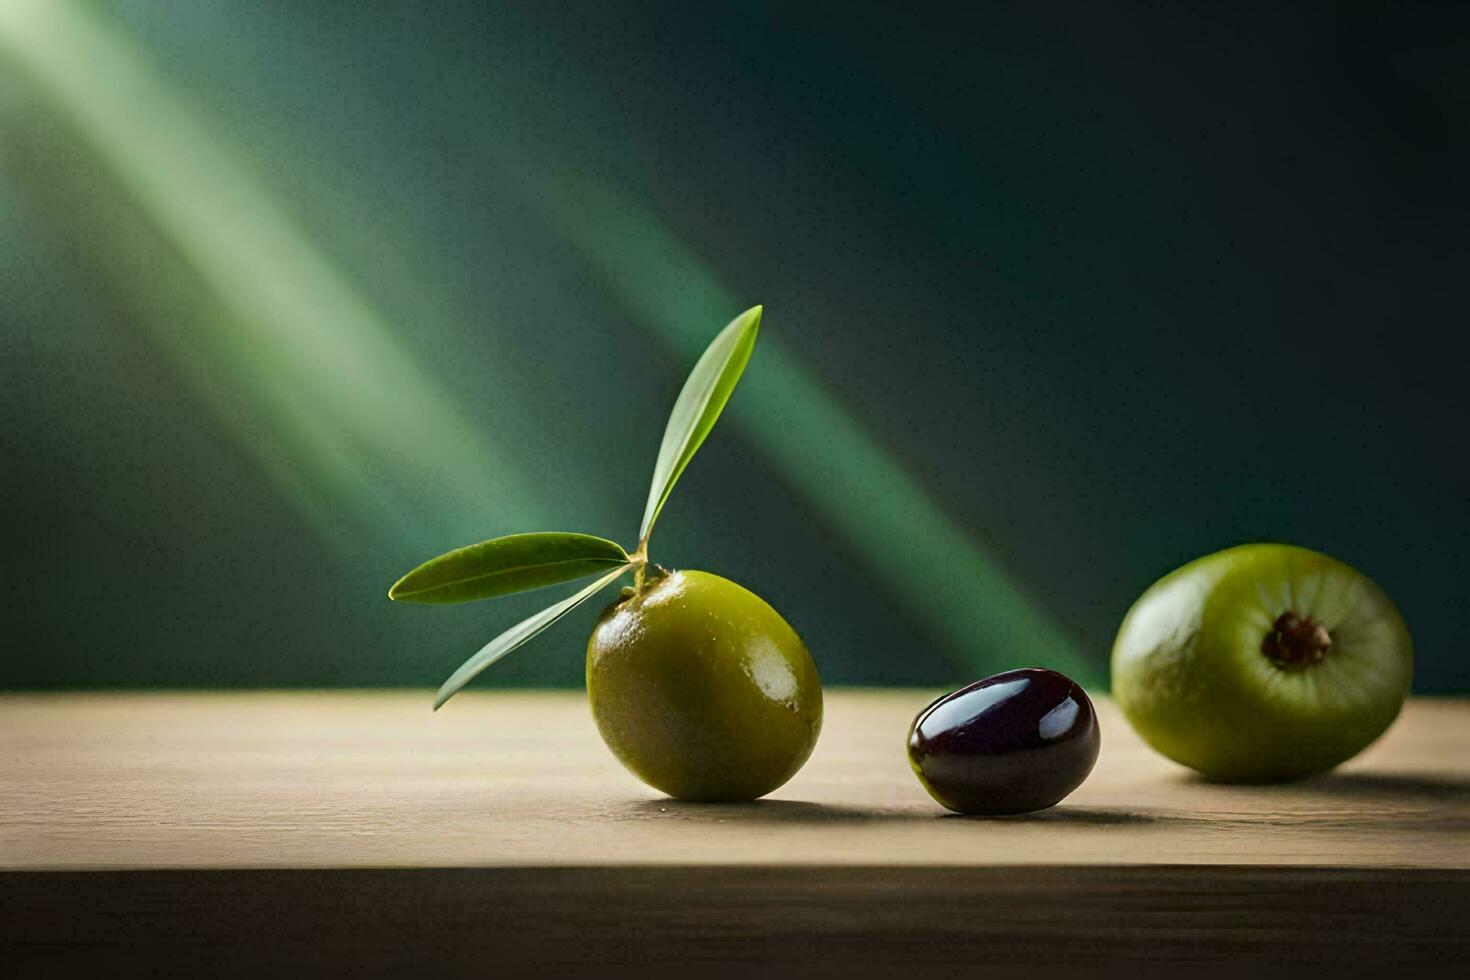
x: 1058, y: 296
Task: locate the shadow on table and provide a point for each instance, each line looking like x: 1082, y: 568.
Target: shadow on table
x: 1076, y: 816
x: 1362, y: 786
x: 762, y: 811
x: 1366, y: 785
x: 793, y: 812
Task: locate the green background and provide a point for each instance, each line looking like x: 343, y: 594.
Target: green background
x: 1058, y: 296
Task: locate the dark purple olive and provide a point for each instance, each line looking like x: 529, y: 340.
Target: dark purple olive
x: 1012, y: 743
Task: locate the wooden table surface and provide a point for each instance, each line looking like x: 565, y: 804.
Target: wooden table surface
x: 222, y: 815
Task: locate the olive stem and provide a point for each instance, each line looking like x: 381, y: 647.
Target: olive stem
x: 639, y: 559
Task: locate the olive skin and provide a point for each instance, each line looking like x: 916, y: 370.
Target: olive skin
x: 1013, y: 743
x: 702, y: 690
x: 1196, y: 671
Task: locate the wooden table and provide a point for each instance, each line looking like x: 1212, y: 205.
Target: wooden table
x: 247, y: 832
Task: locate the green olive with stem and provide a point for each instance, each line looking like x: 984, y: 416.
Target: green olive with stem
x: 701, y: 689
x: 696, y: 684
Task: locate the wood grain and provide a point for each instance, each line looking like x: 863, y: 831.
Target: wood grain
x: 729, y: 921
x: 316, y: 780
x: 239, y: 833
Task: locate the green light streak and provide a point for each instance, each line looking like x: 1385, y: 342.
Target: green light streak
x: 262, y: 327
x: 918, y: 553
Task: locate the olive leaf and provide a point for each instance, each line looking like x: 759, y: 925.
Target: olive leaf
x: 518, y: 634
x: 514, y: 563
x: 699, y: 404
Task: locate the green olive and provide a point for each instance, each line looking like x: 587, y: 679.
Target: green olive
x: 1262, y: 663
x: 702, y: 690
